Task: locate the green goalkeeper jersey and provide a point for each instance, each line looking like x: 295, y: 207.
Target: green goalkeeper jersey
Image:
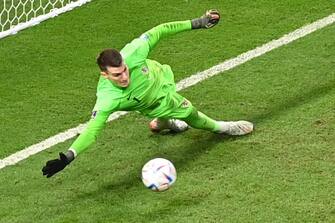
x: 149, y: 82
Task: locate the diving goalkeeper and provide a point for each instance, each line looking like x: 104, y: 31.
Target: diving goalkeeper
x: 131, y: 82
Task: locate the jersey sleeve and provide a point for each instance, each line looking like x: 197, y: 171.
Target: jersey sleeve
x: 164, y: 30
x: 137, y: 51
x: 90, y: 134
x: 103, y: 108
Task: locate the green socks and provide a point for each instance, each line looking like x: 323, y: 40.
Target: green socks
x: 199, y: 120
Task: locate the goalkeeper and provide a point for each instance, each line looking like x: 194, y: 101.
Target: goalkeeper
x: 131, y: 82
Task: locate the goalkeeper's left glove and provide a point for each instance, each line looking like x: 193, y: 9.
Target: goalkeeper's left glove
x: 208, y: 20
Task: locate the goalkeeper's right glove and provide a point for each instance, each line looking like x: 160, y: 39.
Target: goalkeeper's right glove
x: 54, y: 166
x: 208, y: 20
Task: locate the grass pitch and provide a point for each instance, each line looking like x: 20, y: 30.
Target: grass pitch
x: 283, y: 172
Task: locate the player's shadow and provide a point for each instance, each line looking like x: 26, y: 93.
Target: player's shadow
x: 273, y: 112
x: 185, y: 154
x: 293, y: 101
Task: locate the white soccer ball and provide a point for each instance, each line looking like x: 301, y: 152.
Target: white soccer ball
x: 159, y: 174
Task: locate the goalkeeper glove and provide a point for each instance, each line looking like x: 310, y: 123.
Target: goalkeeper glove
x: 208, y: 20
x: 56, y: 165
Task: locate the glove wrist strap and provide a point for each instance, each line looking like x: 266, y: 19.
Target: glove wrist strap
x: 197, y: 23
x: 69, y: 156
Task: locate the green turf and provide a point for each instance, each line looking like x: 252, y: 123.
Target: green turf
x: 283, y: 172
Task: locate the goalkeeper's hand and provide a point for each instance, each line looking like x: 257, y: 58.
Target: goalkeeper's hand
x: 53, y: 166
x: 208, y: 20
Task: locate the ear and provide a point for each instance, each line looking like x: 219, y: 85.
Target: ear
x: 103, y: 73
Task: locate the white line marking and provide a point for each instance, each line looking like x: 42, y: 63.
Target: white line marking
x: 185, y: 83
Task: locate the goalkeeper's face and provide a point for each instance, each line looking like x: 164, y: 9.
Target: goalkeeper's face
x: 118, y: 75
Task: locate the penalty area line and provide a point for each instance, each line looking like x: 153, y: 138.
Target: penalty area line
x: 185, y: 83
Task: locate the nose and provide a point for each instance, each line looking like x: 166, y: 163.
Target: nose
x: 124, y: 76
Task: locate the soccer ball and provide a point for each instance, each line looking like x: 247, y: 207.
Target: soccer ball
x: 158, y: 174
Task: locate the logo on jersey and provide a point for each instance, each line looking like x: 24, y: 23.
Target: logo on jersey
x: 144, y: 37
x: 94, y: 114
x: 145, y: 70
x: 186, y: 103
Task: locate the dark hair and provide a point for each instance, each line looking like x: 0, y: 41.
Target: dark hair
x: 109, y: 57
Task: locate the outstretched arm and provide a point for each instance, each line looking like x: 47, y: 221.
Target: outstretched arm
x: 95, y: 126
x: 208, y: 20
x: 137, y: 51
x: 90, y: 134
x: 164, y: 30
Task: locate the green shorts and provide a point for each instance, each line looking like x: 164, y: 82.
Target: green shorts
x: 172, y: 105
